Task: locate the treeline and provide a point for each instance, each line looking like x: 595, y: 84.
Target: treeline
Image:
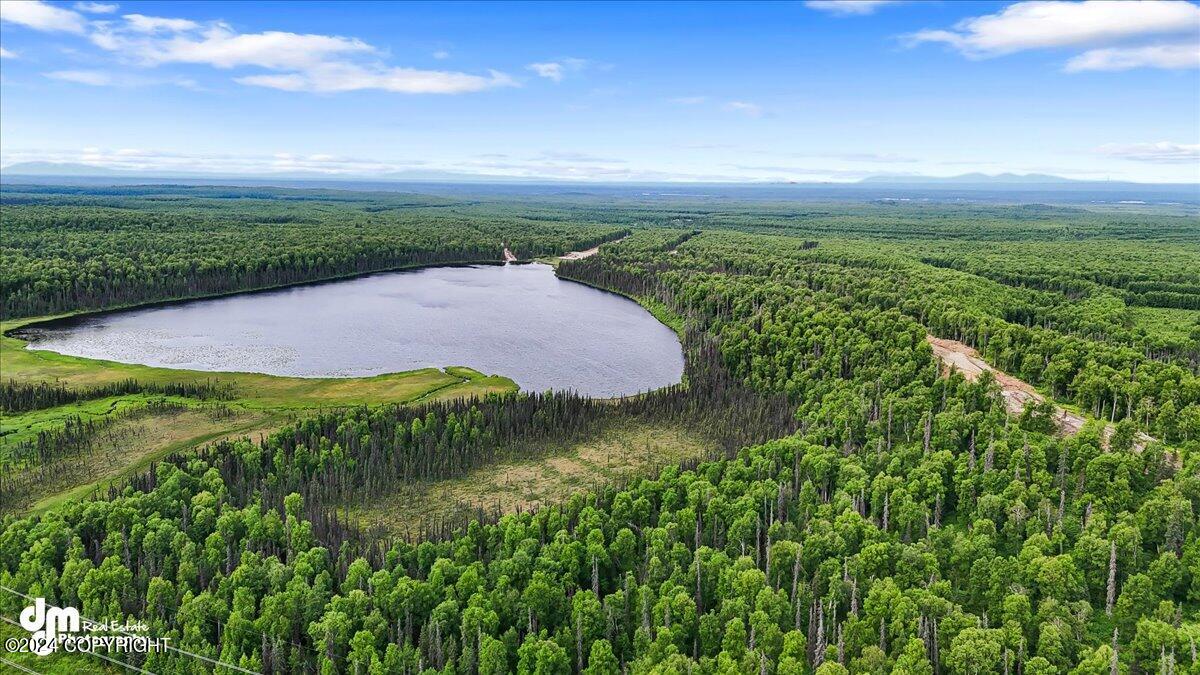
x: 1141, y: 273
x: 17, y: 397
x: 60, y: 254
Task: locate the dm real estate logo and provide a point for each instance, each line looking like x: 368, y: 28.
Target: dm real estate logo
x: 45, y: 625
x: 51, y: 628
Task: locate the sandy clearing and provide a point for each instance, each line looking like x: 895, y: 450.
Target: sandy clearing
x: 579, y: 255
x: 1017, y: 393
x: 955, y: 354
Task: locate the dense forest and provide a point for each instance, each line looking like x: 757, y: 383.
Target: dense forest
x: 63, y: 253
x: 868, y: 511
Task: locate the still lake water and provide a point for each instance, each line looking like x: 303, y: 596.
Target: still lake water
x: 515, y: 320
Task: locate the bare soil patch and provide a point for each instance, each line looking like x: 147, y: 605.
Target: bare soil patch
x: 579, y: 255
x: 1017, y: 393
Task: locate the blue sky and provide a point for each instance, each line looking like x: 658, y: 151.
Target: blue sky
x: 606, y: 91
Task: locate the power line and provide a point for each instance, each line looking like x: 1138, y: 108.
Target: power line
x: 18, y: 666
x: 120, y: 663
x: 168, y: 646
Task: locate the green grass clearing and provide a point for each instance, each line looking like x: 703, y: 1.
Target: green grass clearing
x: 548, y: 476
x: 260, y: 403
x: 252, y: 389
x: 129, y: 445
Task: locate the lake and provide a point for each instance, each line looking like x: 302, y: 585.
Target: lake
x: 520, y: 321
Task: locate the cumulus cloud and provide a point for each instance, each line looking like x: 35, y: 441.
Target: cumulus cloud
x: 42, y: 16
x: 5, y: 54
x: 96, y: 7
x: 745, y: 107
x: 292, y: 61
x: 220, y: 46
x: 1122, y: 34
x: 557, y: 70
x: 848, y: 7
x: 1163, y: 152
x: 1042, y: 24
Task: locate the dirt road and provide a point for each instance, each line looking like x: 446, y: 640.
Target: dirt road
x: 579, y: 255
x: 1016, y: 392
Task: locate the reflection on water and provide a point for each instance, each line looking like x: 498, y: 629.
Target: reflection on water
x: 515, y: 320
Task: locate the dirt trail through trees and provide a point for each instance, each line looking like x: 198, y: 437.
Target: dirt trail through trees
x: 579, y: 255
x: 1017, y: 394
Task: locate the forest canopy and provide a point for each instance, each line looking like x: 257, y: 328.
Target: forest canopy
x: 867, y: 511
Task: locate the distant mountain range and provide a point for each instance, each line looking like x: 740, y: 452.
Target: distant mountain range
x: 1003, y: 182
x: 974, y: 179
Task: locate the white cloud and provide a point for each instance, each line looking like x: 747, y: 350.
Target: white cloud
x: 557, y: 70
x: 219, y: 46
x: 297, y: 62
x: 848, y: 7
x: 1119, y: 31
x: 1163, y: 152
x: 550, y: 71
x: 335, y: 77
x: 42, y: 16
x: 745, y: 107
x: 441, y: 55
x: 1056, y: 23
x: 6, y: 54
x: 96, y: 7
x: 301, y: 62
x: 147, y: 160
x: 1167, y: 56
x: 155, y: 24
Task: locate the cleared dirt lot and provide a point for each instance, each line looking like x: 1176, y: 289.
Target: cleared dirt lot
x: 1017, y: 393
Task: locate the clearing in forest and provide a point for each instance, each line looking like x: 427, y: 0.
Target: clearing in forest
x: 579, y: 255
x: 1017, y: 393
x: 547, y: 477
x: 130, y: 443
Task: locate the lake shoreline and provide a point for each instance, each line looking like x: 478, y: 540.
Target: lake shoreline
x: 68, y: 319
x: 528, y: 325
